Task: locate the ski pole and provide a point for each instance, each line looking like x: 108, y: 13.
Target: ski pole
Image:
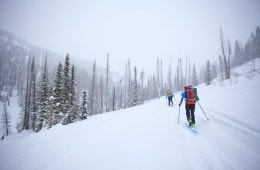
x: 203, y: 111
x: 179, y: 116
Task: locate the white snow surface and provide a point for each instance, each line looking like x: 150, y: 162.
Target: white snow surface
x: 148, y: 137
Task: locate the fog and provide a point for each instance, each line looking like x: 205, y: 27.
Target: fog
x: 135, y: 29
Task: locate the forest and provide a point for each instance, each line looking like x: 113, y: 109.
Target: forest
x: 54, y: 89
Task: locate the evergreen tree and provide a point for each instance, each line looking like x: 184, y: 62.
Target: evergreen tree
x: 66, y: 86
x: 58, y: 95
x: 74, y: 104
x: 84, y: 110
x: 43, y: 116
x: 34, y: 106
x: 256, y: 43
x: 142, y: 94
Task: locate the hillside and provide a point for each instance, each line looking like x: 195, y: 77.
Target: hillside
x: 149, y: 136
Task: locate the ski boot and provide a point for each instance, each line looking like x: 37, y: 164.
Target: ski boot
x: 190, y: 122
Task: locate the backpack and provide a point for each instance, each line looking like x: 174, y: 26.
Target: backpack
x: 190, y: 94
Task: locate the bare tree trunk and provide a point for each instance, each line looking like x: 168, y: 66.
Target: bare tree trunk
x: 51, y: 113
x: 27, y: 99
x: 221, y: 68
x: 101, y: 94
x: 229, y: 59
x: 6, y: 119
x: 162, y: 89
x: 222, y: 43
x: 107, y: 84
x: 125, y: 105
x: 93, y: 89
x: 114, y: 98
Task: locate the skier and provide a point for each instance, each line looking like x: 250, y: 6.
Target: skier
x: 169, y: 96
x: 190, y: 96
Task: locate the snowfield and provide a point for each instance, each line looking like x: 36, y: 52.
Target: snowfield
x: 148, y: 137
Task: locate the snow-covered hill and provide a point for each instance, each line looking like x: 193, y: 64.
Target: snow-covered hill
x: 149, y: 137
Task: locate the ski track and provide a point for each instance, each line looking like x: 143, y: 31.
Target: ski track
x: 195, y: 143
x: 238, y: 134
x: 156, y: 140
x: 235, y: 123
x: 236, y: 141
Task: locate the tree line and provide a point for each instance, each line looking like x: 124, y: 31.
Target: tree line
x: 51, y: 93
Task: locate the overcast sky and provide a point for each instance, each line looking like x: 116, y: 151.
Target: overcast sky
x: 136, y: 29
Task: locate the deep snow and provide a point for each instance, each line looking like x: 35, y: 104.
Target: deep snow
x: 148, y: 137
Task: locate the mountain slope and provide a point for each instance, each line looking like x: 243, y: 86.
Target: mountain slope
x: 149, y: 136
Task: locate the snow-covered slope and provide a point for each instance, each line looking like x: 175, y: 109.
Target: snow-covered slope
x: 149, y: 136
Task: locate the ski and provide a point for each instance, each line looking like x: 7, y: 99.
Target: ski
x: 192, y: 129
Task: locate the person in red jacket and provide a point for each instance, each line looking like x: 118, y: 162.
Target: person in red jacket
x: 190, y: 96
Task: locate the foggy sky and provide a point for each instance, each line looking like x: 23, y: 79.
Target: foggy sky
x: 136, y: 29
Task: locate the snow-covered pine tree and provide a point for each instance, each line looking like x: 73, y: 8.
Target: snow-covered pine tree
x: 74, y: 104
x: 51, y: 109
x: 58, y: 96
x: 34, y: 105
x: 84, y: 109
x: 66, y: 86
x: 43, y: 116
x: 142, y: 92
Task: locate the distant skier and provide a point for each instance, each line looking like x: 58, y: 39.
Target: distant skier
x: 169, y: 96
x: 190, y: 96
